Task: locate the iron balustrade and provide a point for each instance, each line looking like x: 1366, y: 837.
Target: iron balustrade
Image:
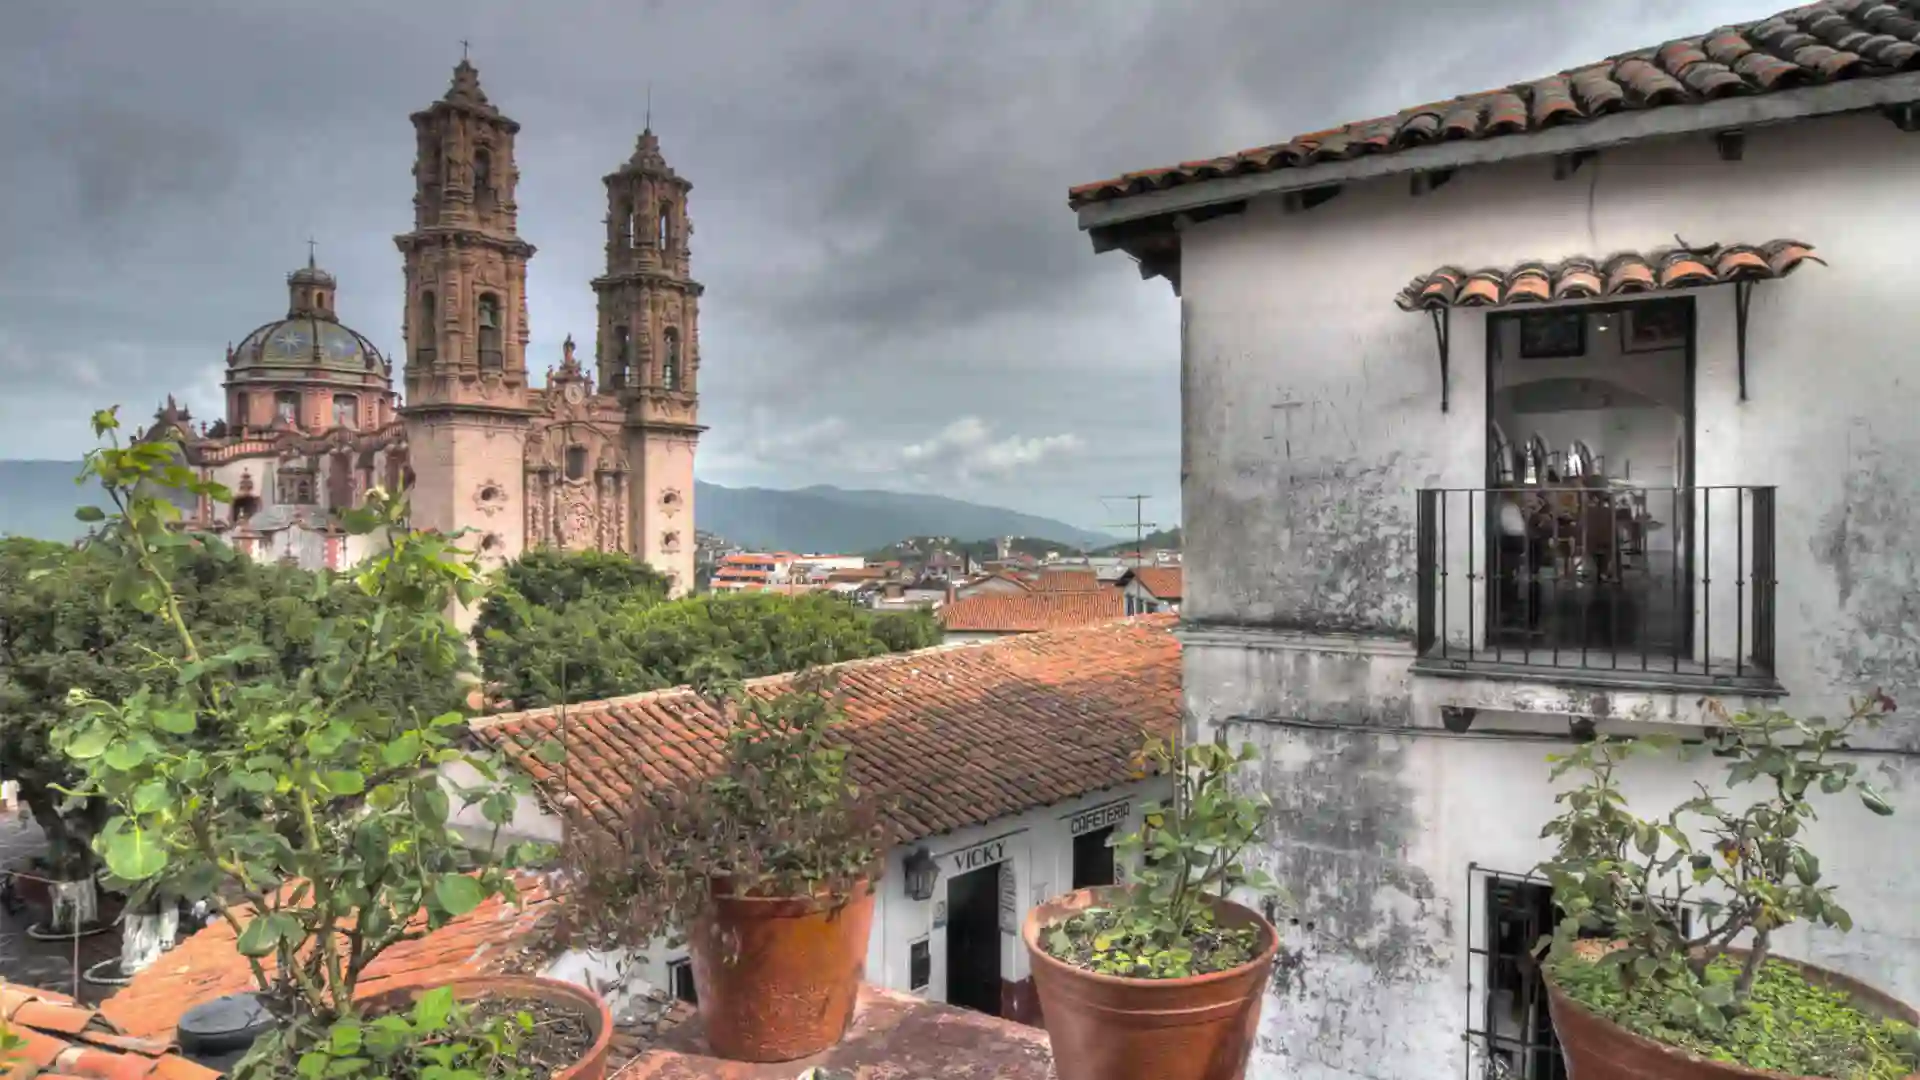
x: 1661, y: 582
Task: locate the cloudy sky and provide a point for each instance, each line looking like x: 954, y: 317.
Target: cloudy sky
x: 896, y: 293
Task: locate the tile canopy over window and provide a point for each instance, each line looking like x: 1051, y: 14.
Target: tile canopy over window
x: 1624, y: 274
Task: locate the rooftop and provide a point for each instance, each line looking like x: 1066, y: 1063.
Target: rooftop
x: 1164, y: 582
x: 947, y: 737
x: 893, y: 1035
x: 1802, y: 49
x: 66, y: 1039
x: 1016, y: 613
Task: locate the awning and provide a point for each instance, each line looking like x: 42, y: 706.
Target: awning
x: 1626, y: 274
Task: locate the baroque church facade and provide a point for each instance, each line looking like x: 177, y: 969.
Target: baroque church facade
x: 598, y: 459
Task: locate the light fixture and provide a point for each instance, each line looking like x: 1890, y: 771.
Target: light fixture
x: 922, y: 871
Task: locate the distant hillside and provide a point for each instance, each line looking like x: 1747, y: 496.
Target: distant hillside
x: 38, y: 498
x: 834, y: 519
x: 1161, y: 540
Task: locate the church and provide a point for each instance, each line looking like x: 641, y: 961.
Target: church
x: 597, y: 459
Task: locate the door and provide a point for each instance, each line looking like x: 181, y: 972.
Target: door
x: 1092, y: 859
x: 973, y: 940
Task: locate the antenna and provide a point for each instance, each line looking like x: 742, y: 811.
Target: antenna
x: 1140, y: 524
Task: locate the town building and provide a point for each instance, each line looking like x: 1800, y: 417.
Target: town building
x: 1150, y: 589
x: 986, y: 616
x: 1007, y: 768
x: 598, y: 459
x: 1577, y: 405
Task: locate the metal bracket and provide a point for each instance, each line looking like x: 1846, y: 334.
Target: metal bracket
x: 1742, y: 299
x: 1443, y: 338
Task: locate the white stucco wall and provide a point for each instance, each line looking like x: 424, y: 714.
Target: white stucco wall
x: 1037, y: 848
x: 1312, y: 414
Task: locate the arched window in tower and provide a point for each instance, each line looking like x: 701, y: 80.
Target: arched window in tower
x: 425, y: 333
x: 665, y: 217
x: 286, y: 406
x: 346, y: 411
x: 576, y: 462
x: 622, y: 357
x: 670, y: 367
x: 241, y: 415
x: 482, y: 178
x: 623, y: 223
x: 490, y: 355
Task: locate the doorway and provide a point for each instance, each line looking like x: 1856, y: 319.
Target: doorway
x: 973, y: 940
x: 1093, y: 859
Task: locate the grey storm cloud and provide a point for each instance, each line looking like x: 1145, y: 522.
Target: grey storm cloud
x: 896, y: 293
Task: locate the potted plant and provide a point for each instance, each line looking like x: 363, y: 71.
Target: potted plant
x: 1638, y: 987
x: 1163, y: 978
x: 765, y: 870
x: 311, y: 817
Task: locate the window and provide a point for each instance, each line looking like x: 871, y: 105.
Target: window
x: 664, y: 214
x: 424, y: 333
x: 670, y: 368
x: 346, y: 410
x: 482, y: 178
x: 919, y: 965
x: 240, y: 404
x: 623, y: 224
x: 622, y: 355
x: 670, y: 542
x: 490, y: 357
x: 680, y: 978
x: 286, y: 406
x: 576, y: 462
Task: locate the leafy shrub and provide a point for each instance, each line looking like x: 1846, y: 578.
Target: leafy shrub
x: 1745, y: 870
x: 1164, y: 924
x: 781, y: 818
x: 438, y: 1039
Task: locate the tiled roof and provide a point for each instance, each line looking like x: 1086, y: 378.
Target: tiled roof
x: 1163, y: 582
x: 1825, y: 42
x: 1059, y: 581
x: 65, y: 1039
x: 946, y: 737
x: 1619, y: 275
x: 486, y: 940
x: 1015, y: 613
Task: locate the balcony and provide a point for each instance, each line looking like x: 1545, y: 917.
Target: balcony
x: 1599, y: 585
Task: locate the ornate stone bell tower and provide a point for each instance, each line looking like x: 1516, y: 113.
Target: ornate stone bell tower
x: 649, y: 353
x: 467, y: 408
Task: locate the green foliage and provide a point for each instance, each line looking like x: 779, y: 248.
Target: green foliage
x: 1788, y: 1025
x: 599, y: 646
x: 1164, y: 926
x: 782, y: 818
x: 1746, y: 870
x: 438, y: 1039
x: 305, y: 801
x: 61, y: 629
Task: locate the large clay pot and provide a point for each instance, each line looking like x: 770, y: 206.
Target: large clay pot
x: 777, y: 977
x: 1104, y: 1027
x: 1599, y: 1049
x: 564, y: 995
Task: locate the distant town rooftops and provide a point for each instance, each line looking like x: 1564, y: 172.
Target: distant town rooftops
x: 1162, y: 582
x: 948, y: 737
x: 1030, y: 612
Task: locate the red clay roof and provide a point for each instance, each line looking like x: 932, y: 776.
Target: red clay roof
x: 1164, y: 582
x: 66, y: 1039
x: 1623, y: 274
x: 1015, y: 613
x: 948, y: 737
x: 1824, y: 42
x: 1064, y: 581
x: 206, y: 965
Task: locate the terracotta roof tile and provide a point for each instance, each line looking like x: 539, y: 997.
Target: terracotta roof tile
x: 1066, y: 581
x: 1823, y: 42
x: 1014, y: 613
x: 949, y: 736
x: 206, y: 966
x: 67, y: 1039
x: 1623, y: 274
x: 1164, y: 582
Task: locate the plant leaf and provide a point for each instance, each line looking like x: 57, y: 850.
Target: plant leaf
x: 458, y: 893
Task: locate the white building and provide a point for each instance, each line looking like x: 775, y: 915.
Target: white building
x: 1722, y: 503
x: 1008, y: 767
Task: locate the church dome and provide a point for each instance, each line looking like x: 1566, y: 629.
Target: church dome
x: 308, y: 341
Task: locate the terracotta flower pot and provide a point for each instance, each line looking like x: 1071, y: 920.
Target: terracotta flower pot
x: 777, y: 977
x: 1104, y: 1027
x: 1596, y: 1048
x: 563, y: 995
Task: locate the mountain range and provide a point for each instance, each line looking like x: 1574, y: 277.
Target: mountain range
x: 38, y: 498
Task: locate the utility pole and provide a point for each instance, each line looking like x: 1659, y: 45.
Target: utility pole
x: 1140, y: 524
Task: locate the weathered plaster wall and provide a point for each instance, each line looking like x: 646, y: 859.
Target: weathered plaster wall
x: 1311, y: 415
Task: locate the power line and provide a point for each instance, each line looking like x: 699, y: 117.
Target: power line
x: 1140, y: 524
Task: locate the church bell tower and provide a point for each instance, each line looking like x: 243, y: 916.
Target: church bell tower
x: 467, y: 409
x: 649, y: 353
